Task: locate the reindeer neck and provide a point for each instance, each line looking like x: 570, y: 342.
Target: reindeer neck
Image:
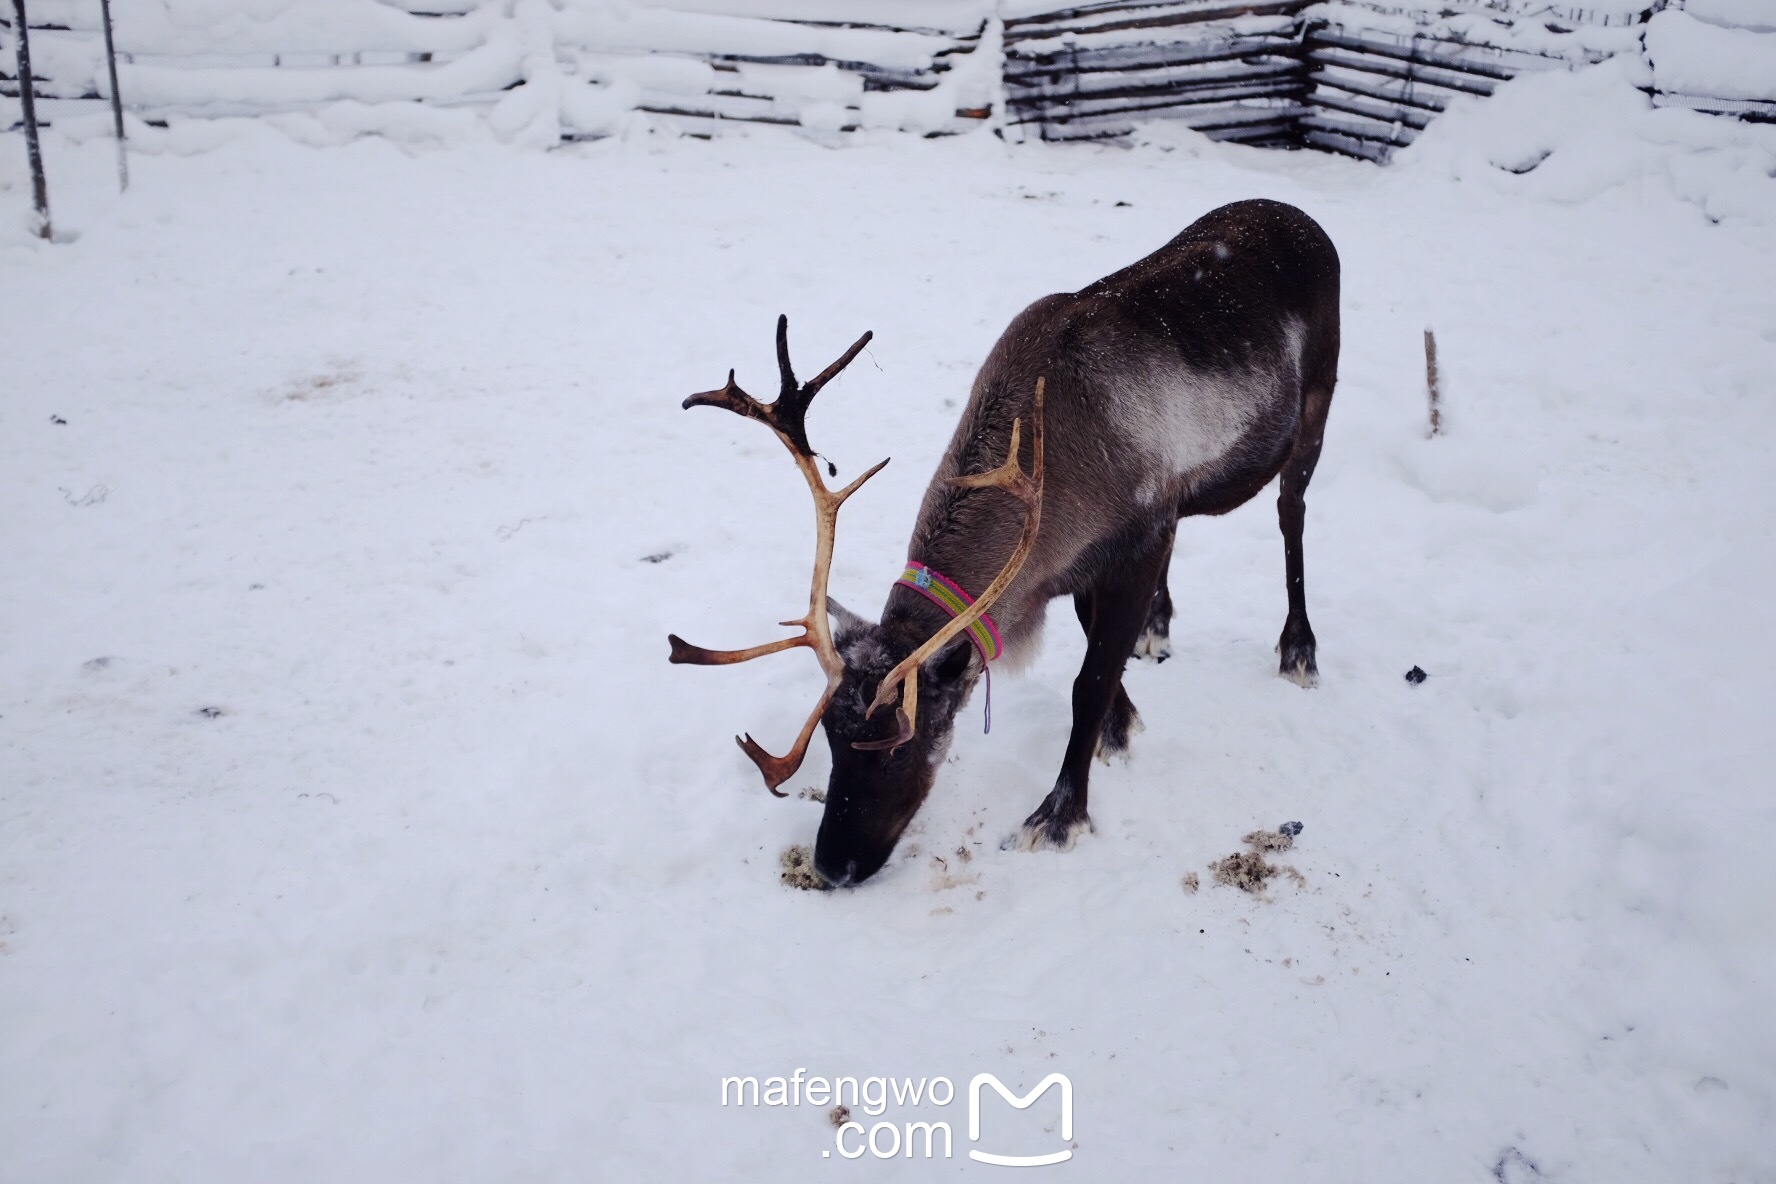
x: 915, y: 616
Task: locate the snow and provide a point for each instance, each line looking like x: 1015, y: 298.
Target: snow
x: 1693, y: 57
x: 536, y: 70
x: 1742, y: 14
x: 488, y: 67
x: 330, y: 26
x: 1570, y: 137
x: 175, y: 27
x: 354, y: 827
x: 1523, y: 43
x: 541, y: 69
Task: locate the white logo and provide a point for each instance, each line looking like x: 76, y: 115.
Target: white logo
x: 1023, y: 1103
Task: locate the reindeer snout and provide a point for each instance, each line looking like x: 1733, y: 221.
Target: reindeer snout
x: 837, y: 879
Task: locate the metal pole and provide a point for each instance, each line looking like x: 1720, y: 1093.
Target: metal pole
x: 116, y: 99
x: 28, y: 105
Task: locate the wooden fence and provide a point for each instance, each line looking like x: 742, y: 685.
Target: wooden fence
x: 1716, y: 56
x: 1378, y: 76
x: 1360, y: 77
x: 1347, y: 76
x: 571, y: 73
x: 1232, y: 70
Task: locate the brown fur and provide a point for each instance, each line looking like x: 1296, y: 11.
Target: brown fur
x: 1180, y: 385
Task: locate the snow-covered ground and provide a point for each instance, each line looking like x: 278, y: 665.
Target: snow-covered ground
x: 353, y: 826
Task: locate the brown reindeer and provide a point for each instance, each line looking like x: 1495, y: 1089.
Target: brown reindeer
x: 1180, y: 385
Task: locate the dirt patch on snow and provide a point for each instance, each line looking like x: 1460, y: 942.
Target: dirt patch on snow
x: 1245, y: 870
x: 1248, y: 870
x: 1269, y: 840
x: 798, y: 869
x: 947, y: 871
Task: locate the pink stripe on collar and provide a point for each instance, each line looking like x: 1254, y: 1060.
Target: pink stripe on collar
x: 948, y: 595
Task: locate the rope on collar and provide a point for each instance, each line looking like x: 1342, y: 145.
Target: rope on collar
x: 948, y: 595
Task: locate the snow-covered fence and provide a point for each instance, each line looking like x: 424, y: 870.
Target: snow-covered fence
x: 1717, y: 56
x: 1231, y: 70
x: 60, y: 53
x: 918, y: 66
x: 1361, y: 77
x: 536, y: 71
x: 1354, y: 76
x: 1378, y: 73
x: 180, y: 59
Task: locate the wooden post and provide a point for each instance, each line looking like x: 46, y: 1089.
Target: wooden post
x: 28, y: 106
x: 116, y: 99
x: 1433, y: 383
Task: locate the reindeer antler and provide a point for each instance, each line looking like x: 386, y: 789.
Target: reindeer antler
x: 1027, y: 489
x: 786, y: 418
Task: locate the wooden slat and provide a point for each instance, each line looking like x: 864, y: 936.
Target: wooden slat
x: 1411, y: 93
x: 1410, y: 117
x: 1414, y: 53
x: 1156, y: 17
x: 1330, y: 141
x: 1751, y: 110
x: 1219, y: 98
x: 1241, y: 123
x: 1159, y: 83
x: 1379, y: 132
x: 1020, y: 67
x: 1406, y: 71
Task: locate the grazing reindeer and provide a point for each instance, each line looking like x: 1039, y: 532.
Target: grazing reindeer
x: 1180, y: 385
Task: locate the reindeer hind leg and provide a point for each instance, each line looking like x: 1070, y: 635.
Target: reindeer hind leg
x: 1297, y: 647
x: 1122, y: 720
x: 1120, y: 724
x: 1155, y: 642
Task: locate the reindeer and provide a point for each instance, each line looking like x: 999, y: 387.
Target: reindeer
x: 1180, y: 385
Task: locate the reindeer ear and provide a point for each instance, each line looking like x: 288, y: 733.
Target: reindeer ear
x: 843, y: 619
x: 951, y: 663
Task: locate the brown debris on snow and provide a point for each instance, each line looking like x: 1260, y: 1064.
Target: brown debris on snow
x: 1249, y: 870
x: 943, y: 878
x: 798, y: 869
x: 1245, y: 870
x: 1191, y: 883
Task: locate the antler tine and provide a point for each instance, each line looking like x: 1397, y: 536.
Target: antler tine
x: 808, y: 390
x: 731, y: 397
x: 785, y: 372
x: 686, y: 654
x: 785, y: 417
x: 845, y: 359
x: 1028, y: 489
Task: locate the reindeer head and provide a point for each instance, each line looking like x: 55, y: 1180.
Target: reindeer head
x: 882, y: 767
x: 879, y: 780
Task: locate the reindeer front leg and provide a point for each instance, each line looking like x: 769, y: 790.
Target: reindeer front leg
x: 1119, y: 606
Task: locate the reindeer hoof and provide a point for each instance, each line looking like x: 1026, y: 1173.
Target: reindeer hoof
x: 1298, y: 649
x: 1153, y: 647
x: 1303, y: 674
x: 1043, y: 831
x: 1113, y: 741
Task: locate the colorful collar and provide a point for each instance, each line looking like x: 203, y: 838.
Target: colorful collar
x: 939, y: 588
